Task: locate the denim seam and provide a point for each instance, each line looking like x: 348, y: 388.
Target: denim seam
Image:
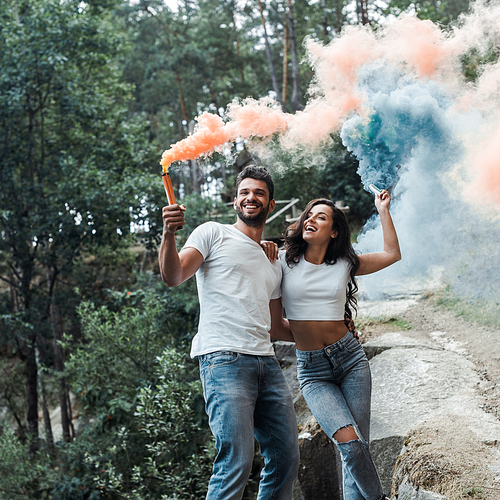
x: 277, y: 469
x: 220, y: 424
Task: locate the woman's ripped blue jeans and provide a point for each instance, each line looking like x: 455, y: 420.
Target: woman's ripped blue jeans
x: 336, y: 384
x: 247, y: 396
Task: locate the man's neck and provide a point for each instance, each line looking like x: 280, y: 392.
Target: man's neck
x: 255, y: 233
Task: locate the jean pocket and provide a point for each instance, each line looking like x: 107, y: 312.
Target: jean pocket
x: 353, y: 345
x: 219, y: 358
x: 302, y: 364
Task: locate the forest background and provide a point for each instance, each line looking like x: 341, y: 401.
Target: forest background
x: 91, y: 93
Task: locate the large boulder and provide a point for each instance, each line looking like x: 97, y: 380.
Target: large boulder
x: 419, y: 383
x: 318, y: 476
x: 429, y: 434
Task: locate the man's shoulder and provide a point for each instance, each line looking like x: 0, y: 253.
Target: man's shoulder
x: 208, y: 227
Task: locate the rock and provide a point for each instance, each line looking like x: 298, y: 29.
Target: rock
x: 408, y: 492
x: 417, y: 384
x: 421, y: 388
x: 285, y: 352
x: 318, y: 476
x: 394, y: 339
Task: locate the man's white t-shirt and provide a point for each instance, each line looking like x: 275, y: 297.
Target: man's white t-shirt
x: 235, y: 283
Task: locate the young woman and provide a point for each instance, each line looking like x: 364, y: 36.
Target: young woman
x: 318, y: 287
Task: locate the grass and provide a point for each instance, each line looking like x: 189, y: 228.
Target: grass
x: 484, y: 312
x: 395, y: 323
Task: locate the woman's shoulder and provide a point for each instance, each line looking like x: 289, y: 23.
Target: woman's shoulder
x: 283, y: 261
x: 344, y: 262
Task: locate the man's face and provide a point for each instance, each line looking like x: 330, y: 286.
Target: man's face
x: 252, y: 202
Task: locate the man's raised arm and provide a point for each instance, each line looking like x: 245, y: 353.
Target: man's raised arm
x: 175, y: 268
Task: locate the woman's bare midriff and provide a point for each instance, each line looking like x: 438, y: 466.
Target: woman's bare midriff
x: 314, y: 335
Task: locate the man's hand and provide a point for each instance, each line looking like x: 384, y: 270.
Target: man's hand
x: 271, y: 250
x: 173, y: 218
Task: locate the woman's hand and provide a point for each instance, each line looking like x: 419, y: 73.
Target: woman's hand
x: 271, y: 250
x: 382, y: 200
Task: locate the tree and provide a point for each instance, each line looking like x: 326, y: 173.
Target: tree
x: 444, y: 11
x: 296, y: 105
x: 269, y: 56
x: 68, y: 157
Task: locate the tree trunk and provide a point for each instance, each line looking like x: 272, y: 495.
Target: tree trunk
x: 272, y: 71
x: 181, y: 99
x: 49, y: 436
x: 59, y: 368
x: 296, y: 105
x: 362, y: 9
x: 285, y: 59
x: 57, y: 331
x: 238, y: 50
x: 32, y: 386
x: 325, y: 18
x: 194, y: 166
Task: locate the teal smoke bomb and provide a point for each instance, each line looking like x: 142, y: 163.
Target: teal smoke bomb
x: 374, y: 189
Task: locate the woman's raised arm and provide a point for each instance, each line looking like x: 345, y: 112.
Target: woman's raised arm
x: 373, y: 262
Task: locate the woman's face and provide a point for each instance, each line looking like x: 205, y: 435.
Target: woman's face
x: 317, y: 228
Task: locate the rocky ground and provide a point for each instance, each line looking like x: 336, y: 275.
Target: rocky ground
x: 454, y: 463
x: 425, y: 319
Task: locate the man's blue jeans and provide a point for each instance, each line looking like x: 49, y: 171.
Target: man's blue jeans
x: 336, y: 384
x: 247, y: 396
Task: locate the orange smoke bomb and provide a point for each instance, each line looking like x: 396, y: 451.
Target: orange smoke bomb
x: 169, y: 189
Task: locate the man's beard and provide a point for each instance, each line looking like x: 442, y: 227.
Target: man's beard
x: 256, y: 220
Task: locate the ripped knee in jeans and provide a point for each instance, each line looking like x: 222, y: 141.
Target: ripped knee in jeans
x: 346, y: 434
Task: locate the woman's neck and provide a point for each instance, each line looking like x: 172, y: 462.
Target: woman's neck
x: 315, y: 254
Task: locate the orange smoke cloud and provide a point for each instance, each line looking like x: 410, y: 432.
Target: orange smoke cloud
x: 420, y: 48
x: 209, y: 134
x: 251, y: 119
x: 487, y: 169
x: 254, y: 118
x: 421, y: 44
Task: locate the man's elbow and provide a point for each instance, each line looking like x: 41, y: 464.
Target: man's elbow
x: 169, y: 280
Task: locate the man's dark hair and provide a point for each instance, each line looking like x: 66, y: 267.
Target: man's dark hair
x: 257, y: 173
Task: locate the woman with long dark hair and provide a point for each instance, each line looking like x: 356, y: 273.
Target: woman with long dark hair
x: 317, y: 292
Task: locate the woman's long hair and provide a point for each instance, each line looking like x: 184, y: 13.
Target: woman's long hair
x: 338, y: 248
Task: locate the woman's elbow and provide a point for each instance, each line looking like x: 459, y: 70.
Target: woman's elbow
x: 397, y: 256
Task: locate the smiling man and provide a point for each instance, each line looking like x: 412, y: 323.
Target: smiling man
x: 245, y: 392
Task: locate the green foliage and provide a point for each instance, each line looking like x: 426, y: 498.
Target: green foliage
x: 13, y: 391
x: 443, y: 12
x: 22, y: 477
x: 68, y: 153
x: 116, y: 356
x: 166, y: 451
x: 474, y: 62
x: 180, y: 447
x: 112, y: 368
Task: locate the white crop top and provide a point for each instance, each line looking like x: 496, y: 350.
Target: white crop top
x: 311, y: 292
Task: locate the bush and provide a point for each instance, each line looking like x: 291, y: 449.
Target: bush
x: 22, y: 477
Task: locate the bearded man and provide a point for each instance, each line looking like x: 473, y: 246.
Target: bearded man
x: 245, y: 393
